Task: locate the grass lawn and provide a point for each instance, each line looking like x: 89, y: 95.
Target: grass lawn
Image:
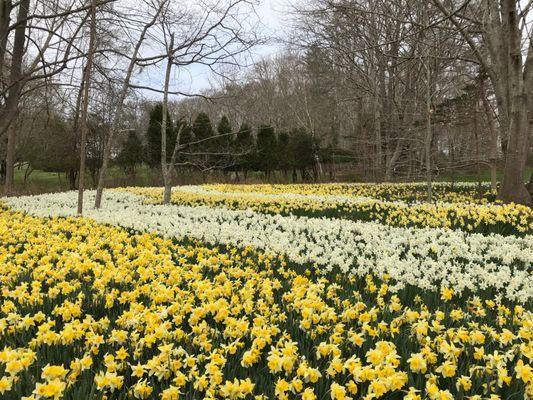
x: 41, y: 181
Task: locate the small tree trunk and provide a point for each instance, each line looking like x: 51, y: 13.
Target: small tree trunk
x: 377, y: 137
x: 5, y: 12
x: 27, y: 173
x: 393, y: 160
x: 10, y: 161
x: 85, y: 109
x: 530, y: 184
x: 429, y: 137
x: 72, y: 179
x: 167, y: 167
x: 167, y: 193
x: 493, y: 152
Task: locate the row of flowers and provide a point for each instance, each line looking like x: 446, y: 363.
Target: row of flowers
x: 456, y: 192
x: 427, y: 258
x: 507, y: 219
x: 93, y: 311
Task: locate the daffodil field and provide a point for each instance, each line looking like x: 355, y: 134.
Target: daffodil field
x: 332, y: 291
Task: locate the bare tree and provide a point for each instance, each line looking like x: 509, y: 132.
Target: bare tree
x: 15, y: 88
x: 86, y: 83
x: 126, y: 86
x: 44, y: 44
x: 168, y: 168
x: 500, y: 52
x: 211, y: 35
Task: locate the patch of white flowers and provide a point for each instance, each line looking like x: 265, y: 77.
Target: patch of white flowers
x: 425, y: 258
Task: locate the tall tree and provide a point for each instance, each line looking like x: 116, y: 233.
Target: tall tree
x: 15, y: 88
x: 85, y: 108
x: 157, y: 8
x: 499, y: 51
x: 244, y: 146
x: 267, y: 150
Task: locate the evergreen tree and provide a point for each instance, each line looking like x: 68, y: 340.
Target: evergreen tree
x: 132, y: 154
x: 153, y: 136
x: 201, y: 127
x: 267, y: 150
x: 202, y: 130
x: 244, y: 146
x: 304, y: 151
x: 224, y: 144
x: 224, y: 129
x: 284, y: 153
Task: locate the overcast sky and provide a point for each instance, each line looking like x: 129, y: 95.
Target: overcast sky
x: 273, y: 24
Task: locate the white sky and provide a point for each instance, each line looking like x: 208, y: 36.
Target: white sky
x: 274, y: 22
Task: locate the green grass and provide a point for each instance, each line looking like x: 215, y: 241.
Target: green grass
x: 471, y: 176
x: 41, y: 181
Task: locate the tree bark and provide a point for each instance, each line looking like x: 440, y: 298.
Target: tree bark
x: 429, y: 136
x: 5, y: 12
x: 513, y: 188
x: 165, y: 168
x: 85, y: 108
x: 502, y: 60
x: 493, y: 142
x: 15, y: 89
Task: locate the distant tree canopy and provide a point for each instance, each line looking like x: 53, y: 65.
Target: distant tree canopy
x: 53, y: 150
x: 221, y: 148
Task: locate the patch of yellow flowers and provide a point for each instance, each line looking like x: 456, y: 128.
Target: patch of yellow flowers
x: 460, y: 192
x: 482, y: 218
x: 93, y: 311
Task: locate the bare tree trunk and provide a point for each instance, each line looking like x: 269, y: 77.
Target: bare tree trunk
x: 85, y: 108
x: 13, y: 97
x: 513, y: 188
x: 72, y: 179
x: 476, y: 144
x: 391, y: 162
x: 117, y: 119
x: 27, y: 173
x: 5, y: 11
x: 493, y: 152
x: 377, y: 136
x: 165, y: 168
x: 429, y: 135
x: 502, y: 59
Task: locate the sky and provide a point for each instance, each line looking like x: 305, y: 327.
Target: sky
x: 273, y: 22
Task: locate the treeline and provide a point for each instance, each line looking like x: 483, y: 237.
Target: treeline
x: 228, y: 147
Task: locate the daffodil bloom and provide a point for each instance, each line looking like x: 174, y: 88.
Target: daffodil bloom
x: 53, y: 388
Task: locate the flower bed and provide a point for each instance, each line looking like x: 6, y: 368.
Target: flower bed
x: 509, y: 219
x: 427, y: 259
x: 94, y: 311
